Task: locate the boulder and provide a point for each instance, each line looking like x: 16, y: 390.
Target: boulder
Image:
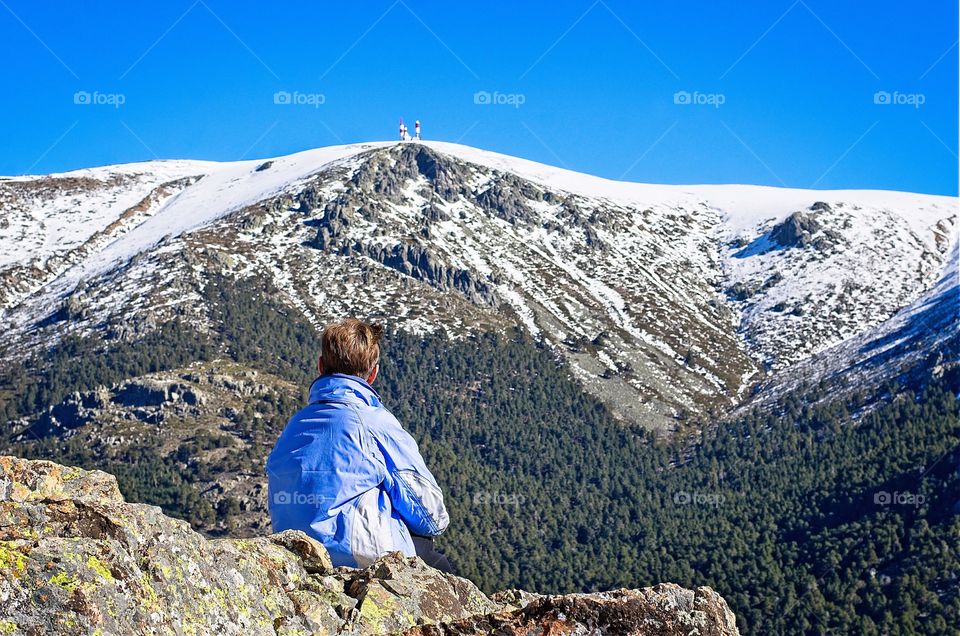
x: 803, y: 229
x: 797, y: 230
x: 662, y: 610
x: 75, y: 558
x: 397, y: 593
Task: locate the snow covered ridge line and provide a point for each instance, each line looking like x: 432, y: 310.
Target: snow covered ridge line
x: 762, y: 199
x: 223, y: 188
x: 226, y: 187
x: 667, y: 301
x: 742, y: 205
x: 158, y: 166
x: 230, y: 186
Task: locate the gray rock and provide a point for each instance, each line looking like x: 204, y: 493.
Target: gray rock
x: 75, y: 558
x: 141, y: 393
x: 662, y: 610
x: 796, y: 230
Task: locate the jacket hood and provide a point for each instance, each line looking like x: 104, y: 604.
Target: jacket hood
x: 340, y: 387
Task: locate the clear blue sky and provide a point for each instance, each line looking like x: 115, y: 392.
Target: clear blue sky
x: 598, y: 82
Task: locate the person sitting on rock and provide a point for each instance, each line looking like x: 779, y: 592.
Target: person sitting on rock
x: 345, y: 472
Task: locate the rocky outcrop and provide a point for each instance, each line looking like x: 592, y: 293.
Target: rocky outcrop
x: 797, y: 230
x: 75, y: 558
x: 509, y: 198
x: 145, y: 399
x: 349, y: 224
x: 659, y: 610
x: 389, y: 173
x: 418, y: 262
x: 740, y: 291
x: 802, y: 229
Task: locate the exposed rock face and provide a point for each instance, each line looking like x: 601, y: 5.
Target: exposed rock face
x: 796, y: 230
x: 741, y: 291
x: 662, y: 609
x: 389, y: 174
x: 144, y: 399
x: 386, y: 179
x: 75, y: 558
x: 802, y: 229
x: 509, y: 198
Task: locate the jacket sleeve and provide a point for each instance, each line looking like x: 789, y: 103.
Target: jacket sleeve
x: 413, y: 490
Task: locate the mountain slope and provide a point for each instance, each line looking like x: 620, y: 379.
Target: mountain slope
x: 175, y: 347
x: 921, y: 337
x: 668, y: 302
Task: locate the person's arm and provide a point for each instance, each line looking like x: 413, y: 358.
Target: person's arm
x: 413, y: 490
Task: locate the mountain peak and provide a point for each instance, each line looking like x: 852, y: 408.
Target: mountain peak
x: 668, y: 302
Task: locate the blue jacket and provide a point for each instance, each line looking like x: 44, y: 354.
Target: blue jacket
x: 345, y: 472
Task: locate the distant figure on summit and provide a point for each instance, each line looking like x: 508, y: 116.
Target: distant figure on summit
x: 416, y: 128
x: 345, y: 472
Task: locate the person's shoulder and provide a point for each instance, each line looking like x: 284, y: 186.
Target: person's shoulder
x: 379, y: 417
x: 332, y: 412
x: 301, y: 413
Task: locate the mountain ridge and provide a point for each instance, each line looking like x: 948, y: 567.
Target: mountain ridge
x: 666, y: 301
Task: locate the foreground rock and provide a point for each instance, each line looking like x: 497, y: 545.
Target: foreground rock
x: 75, y: 558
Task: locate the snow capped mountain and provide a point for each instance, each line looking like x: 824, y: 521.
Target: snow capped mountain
x: 665, y: 301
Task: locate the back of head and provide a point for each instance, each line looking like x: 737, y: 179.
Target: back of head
x: 351, y: 347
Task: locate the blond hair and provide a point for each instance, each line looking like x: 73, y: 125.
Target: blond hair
x: 351, y: 347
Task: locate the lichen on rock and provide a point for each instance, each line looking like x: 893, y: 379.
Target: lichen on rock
x: 75, y: 558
